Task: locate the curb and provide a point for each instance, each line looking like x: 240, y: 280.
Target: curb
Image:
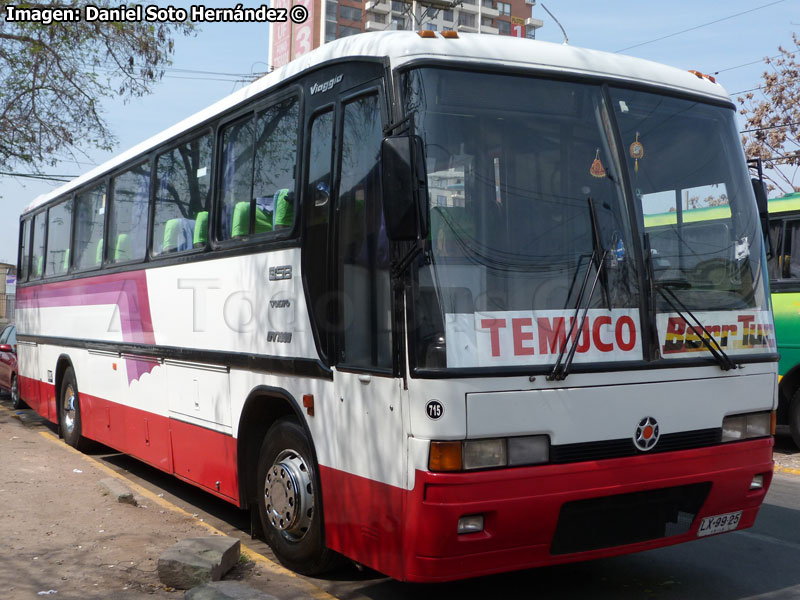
x: 785, y: 470
x: 274, y: 568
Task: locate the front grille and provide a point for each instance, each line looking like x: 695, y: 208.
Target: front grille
x: 684, y: 440
x: 609, y: 521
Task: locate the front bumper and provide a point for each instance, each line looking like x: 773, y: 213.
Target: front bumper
x: 522, y: 507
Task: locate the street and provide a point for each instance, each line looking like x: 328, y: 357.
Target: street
x: 757, y: 563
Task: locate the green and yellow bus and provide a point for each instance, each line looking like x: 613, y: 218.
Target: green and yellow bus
x: 784, y: 278
x: 784, y: 274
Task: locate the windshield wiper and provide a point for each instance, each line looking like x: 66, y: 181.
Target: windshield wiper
x: 725, y: 362
x: 560, y: 371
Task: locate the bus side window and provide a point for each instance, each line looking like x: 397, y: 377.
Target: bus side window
x: 776, y: 260
x: 90, y: 210
x: 129, y: 211
x: 275, y: 160
x: 183, y: 176
x: 38, y: 249
x: 58, y: 230
x: 363, y: 245
x: 257, y: 183
x: 235, y: 178
x: 791, y: 251
x: 24, y: 243
x: 317, y: 211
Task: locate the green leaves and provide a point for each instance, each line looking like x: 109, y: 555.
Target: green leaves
x: 53, y: 79
x: 773, y: 120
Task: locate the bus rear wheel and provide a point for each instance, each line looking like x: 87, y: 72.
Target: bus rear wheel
x: 289, y: 499
x: 794, y: 418
x: 69, y: 412
x: 16, y: 401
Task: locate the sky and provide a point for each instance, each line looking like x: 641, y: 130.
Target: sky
x: 729, y: 39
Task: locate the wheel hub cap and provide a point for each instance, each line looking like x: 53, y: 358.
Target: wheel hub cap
x: 288, y: 495
x: 69, y: 408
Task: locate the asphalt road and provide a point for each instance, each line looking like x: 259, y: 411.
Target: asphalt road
x: 762, y: 562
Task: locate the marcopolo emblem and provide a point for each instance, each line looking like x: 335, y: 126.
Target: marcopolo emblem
x: 646, y: 434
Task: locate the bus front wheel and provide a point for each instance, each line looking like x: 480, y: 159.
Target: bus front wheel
x: 69, y: 409
x: 289, y: 499
x: 794, y: 418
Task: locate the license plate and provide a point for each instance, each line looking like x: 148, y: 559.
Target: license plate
x: 719, y: 523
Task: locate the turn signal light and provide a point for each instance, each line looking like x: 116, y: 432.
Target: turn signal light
x: 700, y: 75
x: 308, y: 404
x: 445, y: 456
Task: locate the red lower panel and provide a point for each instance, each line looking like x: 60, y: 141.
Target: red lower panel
x: 201, y: 456
x: 412, y: 535
x: 205, y: 457
x: 29, y: 392
x: 364, y: 520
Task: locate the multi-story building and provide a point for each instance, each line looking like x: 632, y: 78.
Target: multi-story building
x: 333, y: 19
x: 8, y: 286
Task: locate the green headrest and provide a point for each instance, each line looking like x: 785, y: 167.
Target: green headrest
x: 171, y: 228
x: 200, y: 236
x: 241, y: 220
x: 284, y: 209
x: 123, y: 250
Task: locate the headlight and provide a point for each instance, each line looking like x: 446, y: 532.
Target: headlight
x: 742, y: 427
x: 489, y: 453
x: 530, y: 450
x: 480, y: 454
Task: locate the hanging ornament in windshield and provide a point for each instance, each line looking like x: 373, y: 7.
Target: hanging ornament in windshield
x: 597, y: 170
x: 637, y: 152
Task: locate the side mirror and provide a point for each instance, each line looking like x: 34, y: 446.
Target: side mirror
x: 6, y: 348
x: 760, y: 190
x: 405, y: 192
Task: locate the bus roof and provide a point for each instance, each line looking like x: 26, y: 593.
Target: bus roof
x: 401, y: 47
x: 789, y: 202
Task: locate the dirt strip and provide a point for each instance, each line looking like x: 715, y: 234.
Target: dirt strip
x: 65, y: 536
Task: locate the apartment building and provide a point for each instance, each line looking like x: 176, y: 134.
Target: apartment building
x: 333, y: 19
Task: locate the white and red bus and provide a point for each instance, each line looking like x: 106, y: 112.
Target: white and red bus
x: 399, y: 299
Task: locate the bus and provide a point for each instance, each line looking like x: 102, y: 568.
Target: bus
x: 397, y: 299
x: 784, y: 275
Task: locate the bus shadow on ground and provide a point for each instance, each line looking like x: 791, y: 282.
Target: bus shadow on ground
x: 785, y: 445
x: 752, y: 563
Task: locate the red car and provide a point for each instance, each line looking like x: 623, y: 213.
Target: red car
x: 8, y: 364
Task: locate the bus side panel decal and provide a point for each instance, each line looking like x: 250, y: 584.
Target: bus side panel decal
x: 126, y: 291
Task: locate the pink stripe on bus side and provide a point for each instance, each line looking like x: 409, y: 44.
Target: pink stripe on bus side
x: 128, y: 291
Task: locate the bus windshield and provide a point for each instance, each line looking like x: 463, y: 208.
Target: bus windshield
x: 527, y: 200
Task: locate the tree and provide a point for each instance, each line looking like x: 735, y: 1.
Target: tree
x: 773, y: 120
x: 54, y: 77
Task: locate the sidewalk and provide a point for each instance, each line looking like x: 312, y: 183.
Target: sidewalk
x: 65, y: 536
x: 786, y: 455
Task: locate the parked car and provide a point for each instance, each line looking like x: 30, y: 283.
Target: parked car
x: 8, y: 364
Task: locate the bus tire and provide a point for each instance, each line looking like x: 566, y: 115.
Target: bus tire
x: 289, y: 499
x: 16, y: 401
x: 69, y: 411
x: 794, y: 418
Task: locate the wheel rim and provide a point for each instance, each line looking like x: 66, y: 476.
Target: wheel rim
x: 288, y: 495
x: 68, y: 405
